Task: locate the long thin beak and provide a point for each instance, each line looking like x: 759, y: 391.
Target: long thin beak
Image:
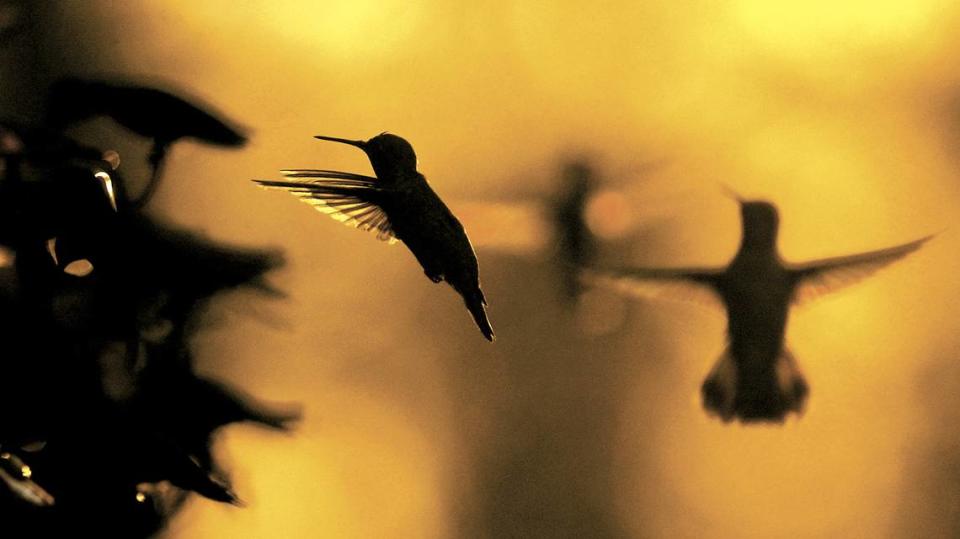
x: 358, y: 143
x: 727, y: 190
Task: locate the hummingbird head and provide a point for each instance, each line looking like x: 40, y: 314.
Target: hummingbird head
x: 578, y: 178
x: 760, y: 220
x: 387, y: 153
x: 760, y: 223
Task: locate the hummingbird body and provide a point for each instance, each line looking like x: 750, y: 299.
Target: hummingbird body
x: 398, y: 204
x: 576, y: 244
x: 757, y: 378
x: 756, y: 290
x: 432, y: 233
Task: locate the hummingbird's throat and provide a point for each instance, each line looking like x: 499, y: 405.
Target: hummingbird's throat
x: 759, y: 235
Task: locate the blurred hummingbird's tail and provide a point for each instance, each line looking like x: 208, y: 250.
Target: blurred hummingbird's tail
x: 476, y: 304
x: 753, y: 391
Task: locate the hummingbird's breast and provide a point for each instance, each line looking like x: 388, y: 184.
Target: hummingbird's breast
x: 424, y: 223
x: 756, y: 291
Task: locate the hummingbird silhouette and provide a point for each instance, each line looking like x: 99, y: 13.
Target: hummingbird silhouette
x: 397, y: 204
x: 756, y: 378
x: 576, y: 244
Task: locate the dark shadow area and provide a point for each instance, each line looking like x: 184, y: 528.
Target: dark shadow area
x: 106, y: 427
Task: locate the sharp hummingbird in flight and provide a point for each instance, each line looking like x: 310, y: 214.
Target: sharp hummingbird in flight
x: 397, y: 204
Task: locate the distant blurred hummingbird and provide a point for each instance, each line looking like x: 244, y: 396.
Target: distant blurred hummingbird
x: 398, y: 203
x: 576, y: 244
x: 756, y: 379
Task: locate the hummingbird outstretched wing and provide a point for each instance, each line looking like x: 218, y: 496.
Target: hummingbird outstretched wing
x: 507, y: 227
x: 693, y: 285
x: 353, y: 199
x: 820, y: 277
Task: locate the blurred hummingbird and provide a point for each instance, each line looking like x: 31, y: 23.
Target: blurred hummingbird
x: 756, y: 378
x: 576, y: 244
x: 397, y: 204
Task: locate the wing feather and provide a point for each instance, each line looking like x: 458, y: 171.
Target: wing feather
x: 353, y: 199
x: 693, y: 285
x: 820, y: 277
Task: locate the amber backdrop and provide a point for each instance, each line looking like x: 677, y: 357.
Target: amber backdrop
x: 845, y: 114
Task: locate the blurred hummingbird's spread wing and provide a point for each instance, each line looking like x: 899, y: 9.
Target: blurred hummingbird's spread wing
x: 508, y: 227
x: 820, y: 277
x: 352, y: 199
x: 693, y: 285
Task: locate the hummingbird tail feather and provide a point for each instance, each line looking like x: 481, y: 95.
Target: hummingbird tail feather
x: 719, y: 389
x: 476, y: 305
x: 750, y: 393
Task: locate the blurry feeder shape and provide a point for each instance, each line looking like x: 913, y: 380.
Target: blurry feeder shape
x: 130, y: 452
x: 186, y: 267
x: 756, y: 378
x: 147, y: 111
x: 166, y: 273
x: 108, y: 188
x: 190, y: 409
x: 17, y: 477
x: 48, y: 153
x: 215, y: 404
x: 113, y: 158
x: 185, y: 472
x: 54, y: 187
x: 397, y: 204
x: 80, y: 267
x: 52, y: 250
x: 162, y: 497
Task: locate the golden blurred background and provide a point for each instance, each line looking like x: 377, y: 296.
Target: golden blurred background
x: 844, y: 114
